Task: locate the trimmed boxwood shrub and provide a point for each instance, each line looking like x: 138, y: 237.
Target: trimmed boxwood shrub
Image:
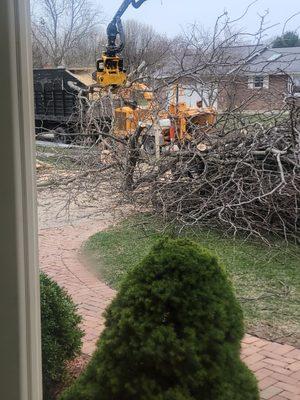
x: 172, y: 333
x: 61, y: 334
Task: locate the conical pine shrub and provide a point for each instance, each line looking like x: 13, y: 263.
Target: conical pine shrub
x: 172, y: 333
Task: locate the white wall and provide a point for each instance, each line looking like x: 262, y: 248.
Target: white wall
x: 191, y: 94
x: 20, y: 356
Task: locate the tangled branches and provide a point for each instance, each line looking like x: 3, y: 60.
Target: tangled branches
x: 248, y: 182
x: 150, y: 139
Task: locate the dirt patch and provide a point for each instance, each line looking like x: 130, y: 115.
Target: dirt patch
x: 77, y: 366
x: 81, y: 200
x: 282, y: 337
x: 74, y: 370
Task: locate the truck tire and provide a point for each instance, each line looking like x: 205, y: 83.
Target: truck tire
x: 149, y: 145
x: 60, y: 136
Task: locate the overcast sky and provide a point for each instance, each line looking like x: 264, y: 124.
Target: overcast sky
x: 171, y: 16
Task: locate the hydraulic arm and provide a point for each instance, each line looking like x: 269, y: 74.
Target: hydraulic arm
x: 110, y: 68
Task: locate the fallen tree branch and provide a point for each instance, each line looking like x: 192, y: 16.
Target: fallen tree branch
x: 65, y: 182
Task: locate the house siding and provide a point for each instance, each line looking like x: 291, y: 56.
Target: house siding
x: 237, y: 94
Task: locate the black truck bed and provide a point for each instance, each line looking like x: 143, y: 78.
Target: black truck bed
x: 54, y: 100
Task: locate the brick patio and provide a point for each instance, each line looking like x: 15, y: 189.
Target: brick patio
x: 276, y: 366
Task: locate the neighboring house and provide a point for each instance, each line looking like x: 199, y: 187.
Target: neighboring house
x: 250, y: 78
x: 205, y: 75
x: 261, y: 82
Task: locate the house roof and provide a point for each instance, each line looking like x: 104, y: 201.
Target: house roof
x: 224, y: 60
x: 275, y: 61
x: 242, y: 52
x: 238, y: 60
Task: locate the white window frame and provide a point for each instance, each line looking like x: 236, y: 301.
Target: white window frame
x: 293, y: 81
x: 265, y: 80
x: 20, y: 337
x: 290, y: 85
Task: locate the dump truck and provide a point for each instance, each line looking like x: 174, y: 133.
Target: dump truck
x: 60, y: 109
x: 60, y: 106
x: 56, y: 103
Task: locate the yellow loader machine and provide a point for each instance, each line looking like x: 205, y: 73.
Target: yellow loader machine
x: 110, y: 67
x: 139, y: 107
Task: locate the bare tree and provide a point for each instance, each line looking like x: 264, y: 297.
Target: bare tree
x: 38, y: 56
x: 242, y: 174
x: 88, y: 49
x: 60, y: 27
x: 144, y: 44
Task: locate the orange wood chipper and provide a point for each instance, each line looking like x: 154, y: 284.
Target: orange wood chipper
x: 176, y: 122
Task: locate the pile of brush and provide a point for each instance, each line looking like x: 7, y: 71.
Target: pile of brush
x: 247, y: 182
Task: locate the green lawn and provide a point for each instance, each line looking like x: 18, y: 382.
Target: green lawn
x: 56, y: 156
x: 266, y: 278
x: 239, y: 121
x: 65, y: 158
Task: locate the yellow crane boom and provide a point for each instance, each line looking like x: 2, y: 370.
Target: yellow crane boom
x: 110, y: 67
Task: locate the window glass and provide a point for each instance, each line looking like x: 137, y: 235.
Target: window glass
x: 258, y: 81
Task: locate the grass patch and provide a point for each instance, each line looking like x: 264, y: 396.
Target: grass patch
x: 239, y: 121
x: 58, y: 157
x: 67, y: 158
x: 266, y: 278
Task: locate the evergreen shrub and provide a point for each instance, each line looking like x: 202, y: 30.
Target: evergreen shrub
x: 172, y: 333
x: 61, y: 334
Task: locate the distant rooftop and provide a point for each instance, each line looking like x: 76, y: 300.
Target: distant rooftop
x: 276, y: 60
x: 243, y: 52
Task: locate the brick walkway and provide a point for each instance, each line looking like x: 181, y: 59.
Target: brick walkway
x: 276, y: 366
